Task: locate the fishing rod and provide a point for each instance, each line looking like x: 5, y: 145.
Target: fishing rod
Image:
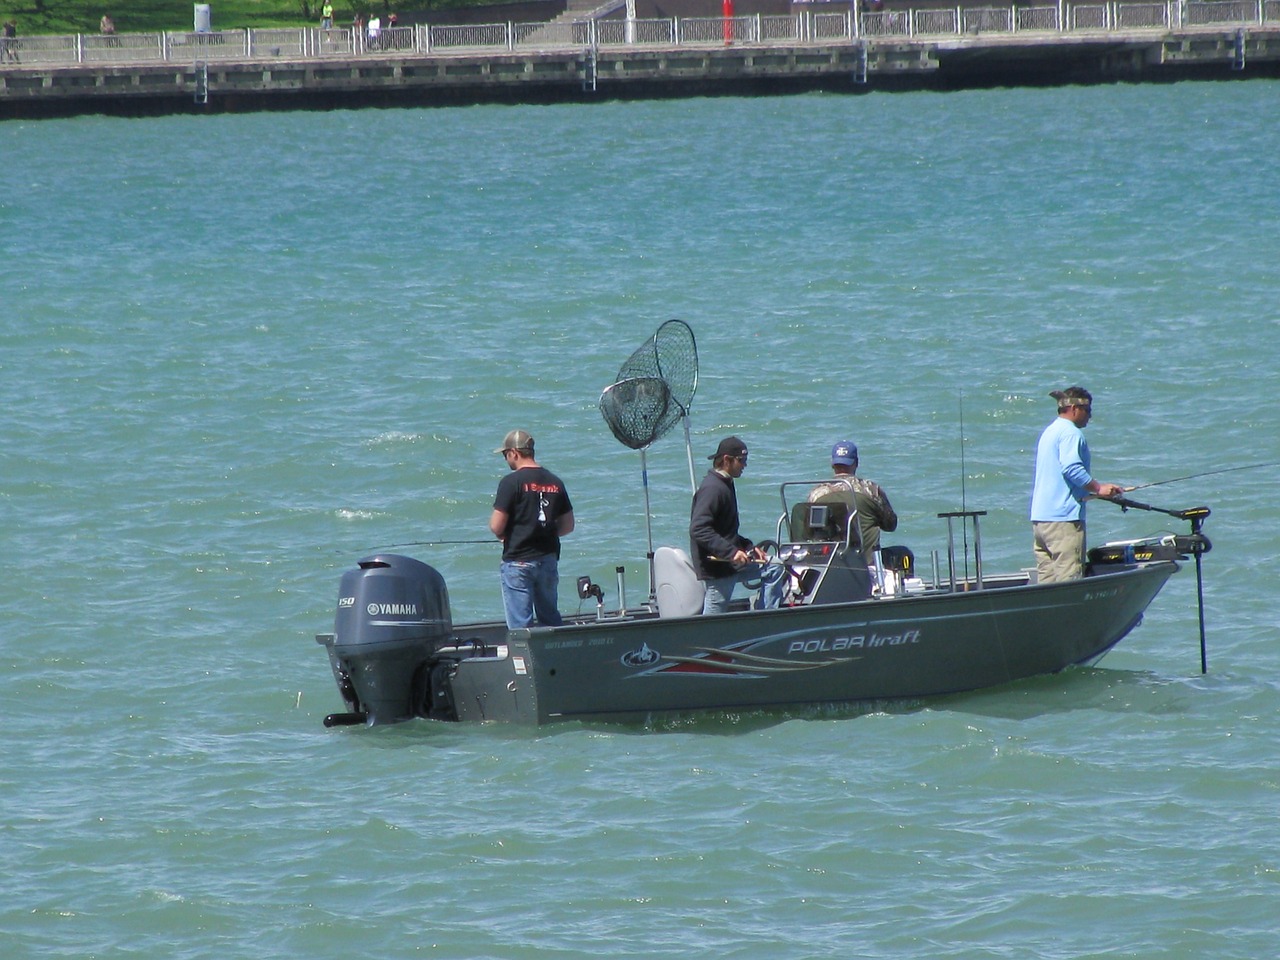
x: 1197, y: 544
x: 1197, y: 476
x: 436, y: 543
x: 420, y: 543
x: 964, y: 501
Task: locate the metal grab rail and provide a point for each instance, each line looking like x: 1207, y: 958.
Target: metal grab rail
x: 805, y: 27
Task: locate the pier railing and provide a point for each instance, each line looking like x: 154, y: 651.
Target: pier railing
x: 808, y: 27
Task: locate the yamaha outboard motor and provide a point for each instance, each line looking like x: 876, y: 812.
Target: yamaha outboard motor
x: 393, y: 613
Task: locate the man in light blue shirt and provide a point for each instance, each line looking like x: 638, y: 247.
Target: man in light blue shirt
x: 1062, y: 483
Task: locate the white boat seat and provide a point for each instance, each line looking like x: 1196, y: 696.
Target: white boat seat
x: 677, y: 589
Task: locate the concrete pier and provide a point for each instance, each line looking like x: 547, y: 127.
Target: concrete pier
x: 585, y: 73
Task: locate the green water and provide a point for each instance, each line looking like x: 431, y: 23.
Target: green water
x: 236, y: 353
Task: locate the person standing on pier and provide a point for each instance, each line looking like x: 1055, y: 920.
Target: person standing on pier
x: 1061, y: 485
x: 326, y: 16
x: 9, y: 42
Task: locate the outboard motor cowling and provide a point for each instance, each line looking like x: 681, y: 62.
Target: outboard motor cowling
x: 393, y: 614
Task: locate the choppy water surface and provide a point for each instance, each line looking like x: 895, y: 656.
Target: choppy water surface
x: 236, y: 353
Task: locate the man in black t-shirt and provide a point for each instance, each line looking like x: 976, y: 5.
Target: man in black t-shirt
x: 531, y: 512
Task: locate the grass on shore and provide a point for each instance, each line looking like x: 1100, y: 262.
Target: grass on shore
x: 149, y: 16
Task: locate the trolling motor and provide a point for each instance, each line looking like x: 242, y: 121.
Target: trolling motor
x: 1195, y: 543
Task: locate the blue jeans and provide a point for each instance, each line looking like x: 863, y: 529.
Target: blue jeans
x: 773, y: 582
x: 529, y: 592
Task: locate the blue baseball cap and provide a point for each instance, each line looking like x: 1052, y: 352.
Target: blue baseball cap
x: 845, y: 452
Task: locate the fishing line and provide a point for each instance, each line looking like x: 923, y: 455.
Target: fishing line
x: 436, y: 543
x: 964, y: 505
x: 1197, y: 476
x: 964, y: 502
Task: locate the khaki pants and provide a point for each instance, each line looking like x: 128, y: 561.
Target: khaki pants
x: 1059, y: 549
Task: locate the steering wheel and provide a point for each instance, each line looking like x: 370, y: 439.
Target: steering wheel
x: 769, y: 546
x: 770, y: 549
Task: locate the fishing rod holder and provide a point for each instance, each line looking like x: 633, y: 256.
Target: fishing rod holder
x: 967, y: 518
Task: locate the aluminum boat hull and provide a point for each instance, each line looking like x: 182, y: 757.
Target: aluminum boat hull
x: 885, y: 649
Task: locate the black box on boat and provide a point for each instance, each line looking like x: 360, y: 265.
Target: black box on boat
x: 1135, y: 553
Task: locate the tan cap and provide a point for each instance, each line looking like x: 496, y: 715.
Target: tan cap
x: 516, y: 440
x: 1072, y: 397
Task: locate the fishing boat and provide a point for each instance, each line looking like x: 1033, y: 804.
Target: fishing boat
x: 847, y: 632
x: 850, y: 628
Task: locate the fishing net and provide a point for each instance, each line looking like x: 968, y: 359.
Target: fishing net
x: 652, y: 390
x: 638, y: 410
x: 670, y: 355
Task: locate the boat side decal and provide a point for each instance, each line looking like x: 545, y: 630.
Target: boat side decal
x: 643, y: 657
x: 740, y: 664
x: 804, y: 651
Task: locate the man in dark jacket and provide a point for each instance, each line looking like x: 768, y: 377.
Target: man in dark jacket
x: 721, y: 556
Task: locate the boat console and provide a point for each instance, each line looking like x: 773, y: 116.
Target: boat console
x: 823, y: 551
x: 825, y: 571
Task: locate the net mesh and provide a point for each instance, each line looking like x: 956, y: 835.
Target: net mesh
x: 678, y: 361
x: 654, y: 387
x: 638, y: 410
x: 671, y: 355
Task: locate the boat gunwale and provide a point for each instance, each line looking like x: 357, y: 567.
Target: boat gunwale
x: 648, y: 618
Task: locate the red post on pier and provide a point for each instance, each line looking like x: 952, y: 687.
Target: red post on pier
x: 728, y: 22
